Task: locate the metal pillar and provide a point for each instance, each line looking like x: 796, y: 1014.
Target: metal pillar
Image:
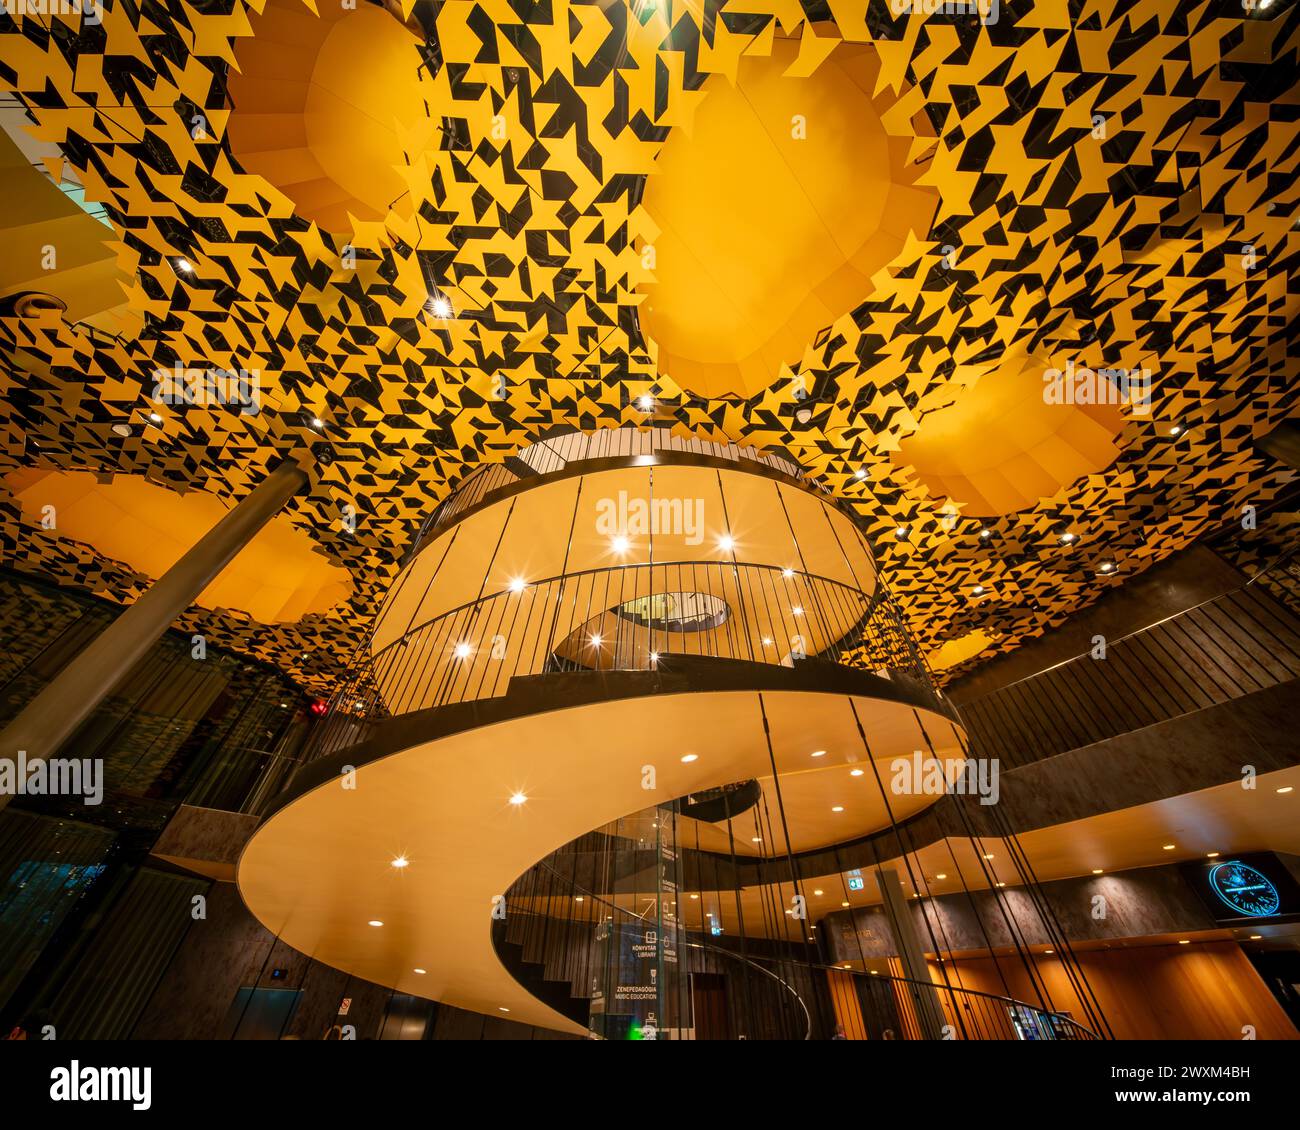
x: 75, y: 693
x: 924, y: 994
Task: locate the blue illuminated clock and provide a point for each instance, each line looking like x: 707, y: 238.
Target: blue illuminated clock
x: 1246, y: 890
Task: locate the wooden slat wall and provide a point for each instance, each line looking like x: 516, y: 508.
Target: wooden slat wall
x: 1242, y: 642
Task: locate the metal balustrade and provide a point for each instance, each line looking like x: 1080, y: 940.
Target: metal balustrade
x: 624, y: 618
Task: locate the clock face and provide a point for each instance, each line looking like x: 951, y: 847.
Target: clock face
x: 1244, y: 889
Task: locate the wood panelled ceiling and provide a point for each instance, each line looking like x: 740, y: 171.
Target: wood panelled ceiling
x: 1116, y: 186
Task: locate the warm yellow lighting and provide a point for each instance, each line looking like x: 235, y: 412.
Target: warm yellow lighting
x: 401, y: 861
x: 517, y: 799
x: 688, y: 758
x: 375, y: 922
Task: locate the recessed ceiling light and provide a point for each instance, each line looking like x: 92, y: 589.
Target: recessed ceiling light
x: 819, y: 753
x: 986, y: 534
x: 1107, y: 566
x: 695, y: 896
x: 787, y: 573
x: 317, y: 422
x: 726, y: 543
x: 1211, y: 855
x: 1286, y: 789
x: 463, y: 651
x: 184, y: 265
x: 1049, y: 951
x: 1098, y: 871
x: 900, y: 532
x: 155, y: 417
x: 1068, y: 537
x: 797, y: 610
x: 375, y: 922
x: 654, y: 657
x: 1256, y: 937
x: 837, y: 808
x: 1170, y: 847
x: 502, y: 1008
x: 860, y: 473
x: 595, y: 641
x: 518, y: 585
x: 688, y: 758
x: 1184, y: 941
x: 844, y: 903
x: 577, y: 898
x: 440, y: 306
x: 856, y: 772
x: 646, y: 403
x: 941, y: 876
x: 767, y: 641
x: 817, y: 892
x: 977, y: 589
x: 619, y: 544
x: 1175, y: 430
x: 999, y: 884
x: 401, y: 861
x: 517, y: 799
x: 420, y: 971
x: 756, y: 839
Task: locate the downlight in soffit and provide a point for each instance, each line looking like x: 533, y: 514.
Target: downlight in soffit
x: 315, y: 106
x: 774, y: 207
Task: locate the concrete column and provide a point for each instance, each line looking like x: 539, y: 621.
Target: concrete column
x: 75, y: 693
x: 925, y: 995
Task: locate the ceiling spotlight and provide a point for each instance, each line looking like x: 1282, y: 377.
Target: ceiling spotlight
x: 375, y: 922
x: 726, y: 543
x: 595, y: 641
x: 517, y: 799
x: 1049, y: 951
x: 1068, y: 537
x: 1211, y: 855
x: 900, y: 532
x: 155, y: 417
x: 420, y: 971
x: 860, y: 473
x: 986, y: 534
x: 463, y: 651
x: 999, y: 884
x: 1097, y: 871
x: 577, y: 898
x: 819, y: 753
x: 654, y: 657
x: 988, y: 855
x: 787, y: 573
x: 646, y: 404
x: 856, y: 772
x: 797, y: 610
x: 1107, y: 566
x: 401, y: 861
x: 837, y: 808
x: 1176, y: 430
x: 502, y: 1008
x: 695, y: 896
x: 619, y: 544
x: 845, y: 903
x: 817, y: 892
x: 439, y: 305
x: 767, y: 641
x: 1286, y: 789
x: 185, y: 265
x: 1256, y: 937
x: 977, y: 590
x: 756, y: 839
x: 518, y: 585
x: 1184, y: 941
x: 317, y: 422
x: 1169, y: 847
x: 688, y: 758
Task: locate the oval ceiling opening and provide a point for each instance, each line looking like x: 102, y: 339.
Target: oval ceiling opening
x: 774, y: 209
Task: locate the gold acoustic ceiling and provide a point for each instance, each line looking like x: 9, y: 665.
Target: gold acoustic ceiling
x: 1116, y: 186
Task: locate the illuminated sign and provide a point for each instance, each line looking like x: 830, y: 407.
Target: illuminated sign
x: 1244, y: 889
x: 1252, y: 887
